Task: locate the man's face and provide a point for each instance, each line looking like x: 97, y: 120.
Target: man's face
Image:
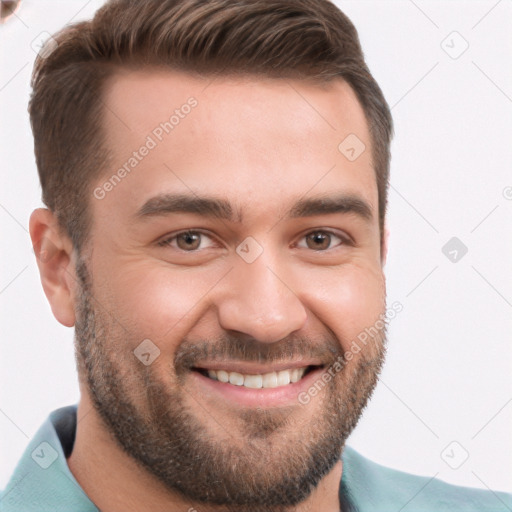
x: 241, y: 245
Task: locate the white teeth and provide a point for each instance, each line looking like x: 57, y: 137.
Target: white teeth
x: 253, y: 381
x: 270, y: 380
x: 283, y: 378
x: 236, y: 378
x: 223, y: 376
x: 267, y: 380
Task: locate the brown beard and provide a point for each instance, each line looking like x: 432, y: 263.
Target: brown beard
x: 266, y: 463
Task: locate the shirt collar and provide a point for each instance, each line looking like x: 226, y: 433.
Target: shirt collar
x: 42, y: 479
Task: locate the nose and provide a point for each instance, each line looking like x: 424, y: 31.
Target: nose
x: 261, y: 303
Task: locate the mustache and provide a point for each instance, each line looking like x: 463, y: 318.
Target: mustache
x: 326, y: 349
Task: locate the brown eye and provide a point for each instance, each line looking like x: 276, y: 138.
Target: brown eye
x: 318, y: 241
x: 322, y: 240
x: 189, y: 241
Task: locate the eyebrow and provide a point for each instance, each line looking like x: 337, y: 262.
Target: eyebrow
x: 348, y: 203
x: 165, y: 204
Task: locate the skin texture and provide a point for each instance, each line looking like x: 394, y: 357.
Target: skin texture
x: 158, y: 437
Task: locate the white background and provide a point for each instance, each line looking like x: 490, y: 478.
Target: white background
x: 448, y: 374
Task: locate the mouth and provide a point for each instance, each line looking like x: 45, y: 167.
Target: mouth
x: 249, y: 385
x: 258, y: 380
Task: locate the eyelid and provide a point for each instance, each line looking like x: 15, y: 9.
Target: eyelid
x: 167, y: 239
x: 345, y: 239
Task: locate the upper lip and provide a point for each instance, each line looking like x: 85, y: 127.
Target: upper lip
x: 248, y: 368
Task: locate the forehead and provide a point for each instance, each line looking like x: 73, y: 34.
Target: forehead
x: 257, y: 139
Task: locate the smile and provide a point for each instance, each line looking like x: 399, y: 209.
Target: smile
x: 250, y: 384
x: 265, y: 380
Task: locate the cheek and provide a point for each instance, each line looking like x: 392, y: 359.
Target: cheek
x: 349, y: 300
x: 152, y: 301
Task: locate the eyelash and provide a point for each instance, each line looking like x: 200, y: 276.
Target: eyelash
x: 167, y: 241
x: 345, y: 240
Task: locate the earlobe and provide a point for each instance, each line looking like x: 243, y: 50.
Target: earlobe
x: 54, y: 256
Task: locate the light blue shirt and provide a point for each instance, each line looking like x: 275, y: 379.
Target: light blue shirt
x: 42, y: 481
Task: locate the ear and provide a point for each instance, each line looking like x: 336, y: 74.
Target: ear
x: 384, y: 246
x: 55, y: 259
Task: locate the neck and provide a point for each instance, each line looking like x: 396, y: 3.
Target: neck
x: 114, y: 481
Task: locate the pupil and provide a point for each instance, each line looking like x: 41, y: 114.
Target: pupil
x: 321, y: 240
x: 189, y: 240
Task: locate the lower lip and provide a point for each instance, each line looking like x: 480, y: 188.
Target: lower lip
x: 262, y: 397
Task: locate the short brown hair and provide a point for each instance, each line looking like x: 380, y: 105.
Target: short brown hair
x: 304, y: 39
